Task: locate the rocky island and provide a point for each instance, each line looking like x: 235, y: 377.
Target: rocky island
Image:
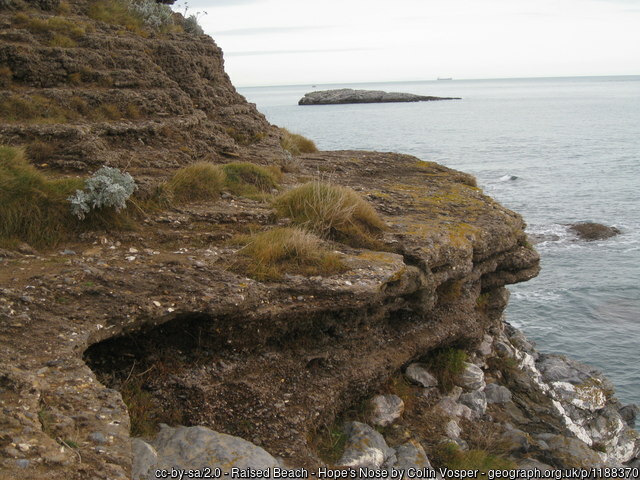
x: 349, y: 95
x: 177, y: 291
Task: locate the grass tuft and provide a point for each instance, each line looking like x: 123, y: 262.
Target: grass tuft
x: 244, y: 178
x: 449, y: 455
x: 33, y: 109
x: 33, y: 207
x: 296, y: 144
x: 200, y: 181
x: 115, y: 12
x: 267, y: 255
x: 447, y: 364
x: 331, y: 211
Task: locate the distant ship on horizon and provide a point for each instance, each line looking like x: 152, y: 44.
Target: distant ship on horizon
x: 445, y: 78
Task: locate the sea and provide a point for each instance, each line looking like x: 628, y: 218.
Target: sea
x: 556, y: 150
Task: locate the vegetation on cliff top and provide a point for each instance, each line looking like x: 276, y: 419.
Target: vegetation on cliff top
x: 331, y: 211
x: 268, y: 255
x: 296, y: 144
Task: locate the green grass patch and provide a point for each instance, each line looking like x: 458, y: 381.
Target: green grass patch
x: 447, y: 364
x: 332, y: 211
x: 449, y: 455
x: 268, y: 255
x: 249, y: 179
x: 296, y: 144
x: 200, y: 181
x: 34, y: 208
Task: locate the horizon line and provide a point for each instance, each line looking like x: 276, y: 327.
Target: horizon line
x: 436, y: 80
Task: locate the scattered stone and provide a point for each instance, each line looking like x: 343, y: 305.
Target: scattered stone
x: 476, y: 401
x: 452, y: 430
x: 349, y: 95
x: 495, y: 393
x: 591, y: 231
x: 365, y: 447
x: 386, y: 409
x: 418, y: 373
x: 472, y: 377
x: 484, y: 348
x: 567, y: 452
x: 66, y: 251
x: 23, y: 463
x: 411, y: 454
x: 451, y: 408
x: 629, y: 414
x: 145, y: 459
x: 200, y: 447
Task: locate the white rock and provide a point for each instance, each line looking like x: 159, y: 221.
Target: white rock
x: 386, y: 409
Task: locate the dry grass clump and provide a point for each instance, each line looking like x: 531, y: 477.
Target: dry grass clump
x: 267, y: 255
x: 449, y: 455
x: 200, y: 181
x: 296, y: 144
x: 331, y: 211
x: 6, y: 76
x: 33, y: 208
x: 56, y: 24
x: 116, y: 12
x: 33, y: 109
x: 244, y: 178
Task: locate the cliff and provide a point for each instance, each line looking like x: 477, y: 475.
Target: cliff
x: 159, y: 314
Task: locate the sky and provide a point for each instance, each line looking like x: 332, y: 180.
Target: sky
x: 292, y: 42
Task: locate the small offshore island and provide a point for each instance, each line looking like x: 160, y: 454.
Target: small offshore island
x: 349, y: 95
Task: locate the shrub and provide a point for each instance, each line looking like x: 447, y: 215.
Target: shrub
x: 191, y: 25
x: 200, y: 181
x: 107, y: 187
x: 296, y: 144
x: 269, y: 254
x: 331, y: 211
x: 33, y: 208
x: 243, y: 178
x: 153, y: 14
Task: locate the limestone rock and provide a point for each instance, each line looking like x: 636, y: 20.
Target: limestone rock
x: 497, y: 393
x: 451, y: 408
x: 411, y: 454
x: 566, y: 452
x: 144, y: 457
x: 386, y: 409
x: 629, y: 414
x: 198, y: 447
x: 418, y: 373
x: 452, y: 430
x: 476, y: 401
x: 472, y: 377
x: 365, y: 447
x: 349, y: 95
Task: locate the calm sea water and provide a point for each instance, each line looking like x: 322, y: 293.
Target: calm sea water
x: 574, y: 146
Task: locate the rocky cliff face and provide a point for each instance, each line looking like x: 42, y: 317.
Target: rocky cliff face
x: 156, y: 314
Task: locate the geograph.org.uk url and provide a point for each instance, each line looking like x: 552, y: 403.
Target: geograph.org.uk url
x: 562, y: 473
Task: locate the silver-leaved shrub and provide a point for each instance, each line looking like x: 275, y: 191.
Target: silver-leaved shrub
x: 107, y: 187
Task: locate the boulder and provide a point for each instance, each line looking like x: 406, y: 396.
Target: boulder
x: 567, y: 452
x: 472, y: 378
x: 349, y: 95
x: 411, y: 454
x: 200, y: 447
x: 385, y: 409
x: 476, y: 401
x: 144, y: 457
x: 365, y: 447
x: 591, y: 231
x: 495, y: 393
x: 419, y: 374
x: 450, y: 408
x: 629, y: 414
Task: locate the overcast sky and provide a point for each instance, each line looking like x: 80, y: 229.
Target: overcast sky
x: 286, y: 42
